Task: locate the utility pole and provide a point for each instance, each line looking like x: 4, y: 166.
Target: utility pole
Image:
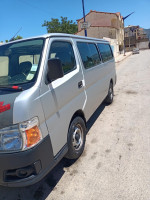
x: 85, y: 31
x: 124, y: 33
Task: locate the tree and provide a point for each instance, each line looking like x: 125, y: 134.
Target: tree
x: 18, y: 37
x: 60, y: 26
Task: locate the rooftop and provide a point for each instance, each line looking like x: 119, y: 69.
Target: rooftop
x: 117, y: 14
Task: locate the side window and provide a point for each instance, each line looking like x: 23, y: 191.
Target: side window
x: 64, y: 51
x: 105, y: 51
x: 89, y: 54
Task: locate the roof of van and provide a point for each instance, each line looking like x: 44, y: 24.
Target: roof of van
x: 59, y: 35
x: 72, y: 36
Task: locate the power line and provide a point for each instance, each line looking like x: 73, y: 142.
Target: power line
x: 34, y: 6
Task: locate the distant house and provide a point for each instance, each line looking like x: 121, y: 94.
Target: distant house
x: 104, y: 24
x: 135, y: 36
x: 147, y: 31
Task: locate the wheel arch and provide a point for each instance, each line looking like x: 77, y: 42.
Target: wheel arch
x: 72, y: 152
x: 78, y: 113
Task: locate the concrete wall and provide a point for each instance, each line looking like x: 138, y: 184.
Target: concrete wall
x: 143, y: 45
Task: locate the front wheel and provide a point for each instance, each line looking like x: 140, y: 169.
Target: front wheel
x: 110, y: 95
x: 76, y: 138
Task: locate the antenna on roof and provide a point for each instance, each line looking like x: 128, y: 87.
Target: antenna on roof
x: 12, y: 39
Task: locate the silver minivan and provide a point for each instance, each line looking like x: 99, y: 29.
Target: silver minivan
x: 49, y: 88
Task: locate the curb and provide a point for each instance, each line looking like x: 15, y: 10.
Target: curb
x: 123, y: 57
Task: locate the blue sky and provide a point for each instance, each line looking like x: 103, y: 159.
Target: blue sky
x: 30, y: 14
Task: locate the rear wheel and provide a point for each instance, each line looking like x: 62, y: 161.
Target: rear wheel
x: 76, y: 138
x: 110, y: 95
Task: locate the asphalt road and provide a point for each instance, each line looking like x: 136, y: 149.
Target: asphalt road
x: 116, y: 162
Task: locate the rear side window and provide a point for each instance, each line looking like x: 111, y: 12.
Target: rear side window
x: 89, y: 54
x: 105, y: 51
x: 64, y: 51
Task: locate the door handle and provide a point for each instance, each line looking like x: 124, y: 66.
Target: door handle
x: 80, y: 84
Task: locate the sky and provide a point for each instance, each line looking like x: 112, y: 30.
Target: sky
x: 29, y: 15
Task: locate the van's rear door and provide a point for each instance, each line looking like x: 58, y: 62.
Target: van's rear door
x: 63, y: 97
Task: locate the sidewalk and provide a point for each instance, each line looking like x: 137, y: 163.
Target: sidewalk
x: 122, y: 57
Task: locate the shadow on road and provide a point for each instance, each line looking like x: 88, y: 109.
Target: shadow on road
x: 42, y: 190
x: 94, y: 117
x: 38, y: 191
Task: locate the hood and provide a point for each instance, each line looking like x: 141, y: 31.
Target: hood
x: 6, y: 108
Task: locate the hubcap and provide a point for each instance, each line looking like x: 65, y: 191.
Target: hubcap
x: 77, y: 139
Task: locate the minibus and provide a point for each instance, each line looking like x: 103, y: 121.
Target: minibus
x: 50, y: 86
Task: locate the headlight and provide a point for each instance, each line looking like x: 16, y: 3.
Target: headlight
x: 10, y: 139
x: 20, y: 137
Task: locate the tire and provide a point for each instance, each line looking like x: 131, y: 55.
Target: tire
x: 110, y: 95
x: 76, y: 138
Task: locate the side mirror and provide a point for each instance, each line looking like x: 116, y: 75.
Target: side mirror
x: 55, y: 70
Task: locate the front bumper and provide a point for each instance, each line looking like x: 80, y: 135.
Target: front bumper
x: 26, y: 167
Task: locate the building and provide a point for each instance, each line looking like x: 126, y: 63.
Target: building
x: 130, y: 31
x: 104, y: 24
x: 147, y: 31
x: 135, y: 36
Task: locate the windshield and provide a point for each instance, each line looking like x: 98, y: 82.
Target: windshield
x: 19, y: 62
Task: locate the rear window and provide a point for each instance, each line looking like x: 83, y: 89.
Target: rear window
x: 89, y: 54
x: 105, y: 51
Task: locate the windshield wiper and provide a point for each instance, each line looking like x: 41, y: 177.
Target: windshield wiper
x: 14, y: 87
